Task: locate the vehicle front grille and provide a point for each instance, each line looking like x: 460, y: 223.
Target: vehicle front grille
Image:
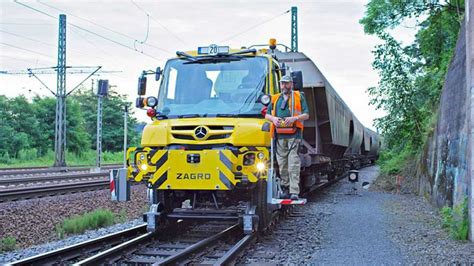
x: 186, y: 132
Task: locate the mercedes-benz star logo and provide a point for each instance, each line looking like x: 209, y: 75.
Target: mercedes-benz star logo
x: 200, y: 132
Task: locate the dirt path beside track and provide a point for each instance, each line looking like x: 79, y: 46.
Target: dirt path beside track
x: 341, y: 226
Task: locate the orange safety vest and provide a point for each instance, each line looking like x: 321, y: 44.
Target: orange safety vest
x: 294, y: 109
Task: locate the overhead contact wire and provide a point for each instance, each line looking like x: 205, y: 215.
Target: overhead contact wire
x: 107, y: 28
x: 159, y: 23
x: 24, y: 49
x: 88, y: 31
x: 254, y: 26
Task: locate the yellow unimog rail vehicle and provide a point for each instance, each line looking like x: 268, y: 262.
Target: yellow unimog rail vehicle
x: 207, y: 154
x: 208, y: 147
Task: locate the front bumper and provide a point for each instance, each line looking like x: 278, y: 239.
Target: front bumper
x: 195, y: 169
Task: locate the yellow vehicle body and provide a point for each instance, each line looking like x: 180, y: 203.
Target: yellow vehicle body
x: 170, y: 147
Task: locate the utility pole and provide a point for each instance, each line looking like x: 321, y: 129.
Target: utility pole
x: 469, y: 20
x: 61, y: 93
x: 60, y: 126
x: 294, y: 29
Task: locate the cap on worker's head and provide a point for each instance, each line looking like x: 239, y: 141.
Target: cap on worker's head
x: 286, y: 78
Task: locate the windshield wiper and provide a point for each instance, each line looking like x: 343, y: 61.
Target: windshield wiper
x: 161, y: 116
x: 186, y: 56
x: 188, y: 116
x: 239, y: 115
x: 226, y: 115
x: 214, y: 59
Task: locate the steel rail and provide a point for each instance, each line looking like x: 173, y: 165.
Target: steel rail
x: 37, y: 179
x: 116, y: 251
x: 62, y: 255
x: 32, y: 192
x: 40, y: 170
x: 232, y: 253
x: 199, y: 245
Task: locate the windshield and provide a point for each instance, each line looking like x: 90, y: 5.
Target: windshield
x: 212, y: 87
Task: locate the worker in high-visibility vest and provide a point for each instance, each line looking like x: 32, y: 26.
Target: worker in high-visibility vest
x: 287, y: 112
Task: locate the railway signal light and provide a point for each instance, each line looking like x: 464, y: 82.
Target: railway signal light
x: 353, y: 176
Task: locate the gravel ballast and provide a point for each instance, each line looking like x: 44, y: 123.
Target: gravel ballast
x: 33, y: 222
x: 89, y: 235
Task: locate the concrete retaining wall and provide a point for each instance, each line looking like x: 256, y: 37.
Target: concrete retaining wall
x: 443, y: 170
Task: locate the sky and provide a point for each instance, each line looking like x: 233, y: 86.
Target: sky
x: 108, y: 34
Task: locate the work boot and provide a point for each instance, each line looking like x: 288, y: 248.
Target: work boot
x: 285, y: 194
x: 294, y: 197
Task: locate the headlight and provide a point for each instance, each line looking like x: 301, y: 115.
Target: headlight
x: 261, y: 155
x: 151, y: 101
x: 144, y: 167
x: 260, y: 166
x: 265, y: 99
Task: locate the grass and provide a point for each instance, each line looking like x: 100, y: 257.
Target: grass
x: 78, y: 224
x: 27, y: 158
x: 392, y: 163
x: 7, y: 243
x: 456, y: 220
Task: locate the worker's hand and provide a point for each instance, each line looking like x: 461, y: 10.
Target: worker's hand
x: 290, y: 120
x: 276, y: 121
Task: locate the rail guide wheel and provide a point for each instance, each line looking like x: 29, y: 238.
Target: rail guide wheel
x: 259, y: 199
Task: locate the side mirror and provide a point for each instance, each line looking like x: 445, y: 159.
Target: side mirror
x: 158, y: 73
x: 297, y: 77
x: 141, y: 85
x: 139, y: 102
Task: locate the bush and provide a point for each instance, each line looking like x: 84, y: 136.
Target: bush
x: 456, y: 220
x: 8, y: 243
x: 80, y: 223
x: 392, y: 163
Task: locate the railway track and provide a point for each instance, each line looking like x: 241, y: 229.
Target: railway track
x: 206, y: 243
x: 51, y: 190
x: 217, y: 242
x: 49, y: 170
x: 81, y: 250
x: 6, y: 182
x: 214, y: 242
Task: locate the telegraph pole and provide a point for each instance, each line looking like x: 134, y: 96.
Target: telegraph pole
x: 60, y: 126
x: 294, y: 29
x: 469, y: 20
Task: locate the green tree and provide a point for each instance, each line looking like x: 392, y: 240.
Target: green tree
x: 411, y: 76
x: 24, y: 125
x: 6, y: 128
x: 45, y: 109
x: 77, y: 137
x: 112, y: 119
